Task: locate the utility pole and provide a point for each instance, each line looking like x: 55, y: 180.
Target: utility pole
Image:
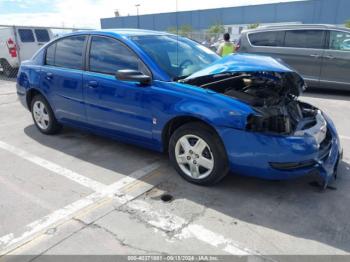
x: 138, y: 16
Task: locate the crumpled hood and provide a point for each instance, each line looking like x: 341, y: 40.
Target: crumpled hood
x: 248, y: 63
x: 242, y: 63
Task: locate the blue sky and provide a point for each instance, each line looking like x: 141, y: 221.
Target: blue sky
x: 87, y: 13
x: 23, y: 6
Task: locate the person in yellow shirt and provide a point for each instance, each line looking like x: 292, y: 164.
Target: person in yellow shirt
x: 226, y: 47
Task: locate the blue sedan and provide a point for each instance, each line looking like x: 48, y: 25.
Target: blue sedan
x: 212, y: 115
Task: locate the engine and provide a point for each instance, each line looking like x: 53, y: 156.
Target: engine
x: 273, y: 95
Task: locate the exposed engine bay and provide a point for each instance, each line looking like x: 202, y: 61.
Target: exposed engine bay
x: 273, y: 95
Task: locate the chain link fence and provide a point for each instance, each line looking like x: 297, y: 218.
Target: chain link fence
x: 19, y: 43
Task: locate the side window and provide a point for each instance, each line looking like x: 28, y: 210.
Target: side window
x: 339, y: 41
x: 50, y: 55
x: 26, y: 35
x: 69, y: 52
x: 272, y: 38
x: 42, y: 35
x: 305, y: 39
x: 108, y: 56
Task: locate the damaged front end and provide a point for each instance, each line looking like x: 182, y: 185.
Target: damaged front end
x: 273, y: 95
x: 272, y: 90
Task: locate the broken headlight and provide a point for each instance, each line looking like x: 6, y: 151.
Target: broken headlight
x: 270, y: 124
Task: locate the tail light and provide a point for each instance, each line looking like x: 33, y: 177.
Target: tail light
x: 238, y: 45
x: 11, y: 47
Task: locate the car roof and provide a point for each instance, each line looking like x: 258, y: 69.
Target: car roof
x: 123, y: 32
x: 297, y: 26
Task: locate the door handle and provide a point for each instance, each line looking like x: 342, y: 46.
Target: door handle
x: 329, y: 57
x: 49, y: 75
x: 92, y: 84
x: 315, y: 56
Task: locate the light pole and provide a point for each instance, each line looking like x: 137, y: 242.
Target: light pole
x: 138, y: 17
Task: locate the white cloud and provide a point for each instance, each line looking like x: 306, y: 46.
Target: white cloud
x: 87, y: 13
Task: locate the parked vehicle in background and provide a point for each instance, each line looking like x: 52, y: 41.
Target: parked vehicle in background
x: 320, y: 53
x: 171, y: 94
x: 18, y: 44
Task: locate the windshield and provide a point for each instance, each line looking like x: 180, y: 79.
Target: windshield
x: 177, y: 56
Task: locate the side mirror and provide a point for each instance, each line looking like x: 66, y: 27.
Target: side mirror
x: 133, y: 76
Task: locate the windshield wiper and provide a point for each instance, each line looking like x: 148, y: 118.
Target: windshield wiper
x: 177, y: 78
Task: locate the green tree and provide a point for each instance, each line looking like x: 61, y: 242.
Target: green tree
x: 183, y: 30
x: 347, y: 24
x: 172, y: 30
x: 253, y: 26
x: 216, y: 29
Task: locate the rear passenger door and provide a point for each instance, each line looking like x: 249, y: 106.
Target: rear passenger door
x: 62, y: 76
x: 300, y: 49
x: 303, y: 50
x: 336, y: 61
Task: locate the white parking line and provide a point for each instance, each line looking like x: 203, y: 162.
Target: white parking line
x: 169, y: 222
x: 10, y: 241
x: 345, y: 137
x: 165, y: 221
x: 214, y: 239
x: 82, y: 180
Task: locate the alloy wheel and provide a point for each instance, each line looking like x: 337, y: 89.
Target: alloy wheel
x: 41, y: 115
x: 194, y: 156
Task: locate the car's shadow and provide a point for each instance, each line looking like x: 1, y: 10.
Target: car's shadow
x: 107, y: 153
x: 293, y: 207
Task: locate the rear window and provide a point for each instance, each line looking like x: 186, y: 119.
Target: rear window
x: 26, y: 35
x: 42, y: 35
x: 50, y: 55
x: 273, y: 38
x: 67, y: 52
x: 305, y: 39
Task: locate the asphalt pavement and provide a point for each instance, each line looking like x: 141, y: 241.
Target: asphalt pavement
x: 77, y: 193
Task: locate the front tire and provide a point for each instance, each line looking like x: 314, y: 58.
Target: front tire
x: 43, y: 116
x: 198, y: 154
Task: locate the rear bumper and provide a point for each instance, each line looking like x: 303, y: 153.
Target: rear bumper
x: 282, y: 157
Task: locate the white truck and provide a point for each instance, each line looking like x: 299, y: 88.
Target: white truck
x: 19, y: 43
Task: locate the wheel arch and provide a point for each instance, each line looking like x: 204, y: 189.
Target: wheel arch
x: 178, y: 121
x: 31, y: 93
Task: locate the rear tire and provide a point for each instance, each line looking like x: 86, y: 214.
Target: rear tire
x: 198, y: 154
x: 43, y: 116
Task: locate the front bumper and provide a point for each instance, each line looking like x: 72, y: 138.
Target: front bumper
x: 282, y: 157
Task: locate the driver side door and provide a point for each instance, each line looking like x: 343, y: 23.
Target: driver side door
x: 116, y: 107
